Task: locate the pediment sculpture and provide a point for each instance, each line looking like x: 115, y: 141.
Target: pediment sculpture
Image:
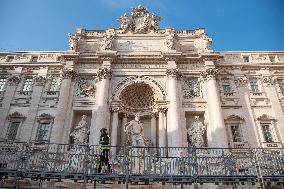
x: 140, y: 21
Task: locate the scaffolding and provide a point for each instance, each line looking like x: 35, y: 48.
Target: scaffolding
x: 141, y: 165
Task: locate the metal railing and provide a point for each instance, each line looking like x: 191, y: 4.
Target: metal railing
x: 134, y: 165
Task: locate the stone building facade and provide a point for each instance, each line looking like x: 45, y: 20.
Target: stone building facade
x: 169, y: 77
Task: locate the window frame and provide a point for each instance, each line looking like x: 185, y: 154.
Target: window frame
x: 44, y: 119
x: 24, y: 84
x: 12, y: 118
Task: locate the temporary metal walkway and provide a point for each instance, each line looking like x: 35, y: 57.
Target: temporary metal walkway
x: 141, y: 165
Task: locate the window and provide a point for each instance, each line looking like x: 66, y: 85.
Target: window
x: 254, y: 85
x: 267, y: 133
x: 236, y: 133
x: 226, y: 86
x: 246, y: 58
x: 55, y: 84
x: 42, y: 132
x: 2, y: 83
x: 28, y: 84
x: 34, y: 59
x: 13, y: 129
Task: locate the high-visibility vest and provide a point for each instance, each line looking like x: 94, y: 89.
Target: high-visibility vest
x: 105, y: 145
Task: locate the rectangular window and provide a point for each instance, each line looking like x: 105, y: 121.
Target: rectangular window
x: 236, y: 133
x: 13, y: 129
x: 267, y: 133
x: 28, y: 84
x: 55, y: 84
x: 246, y: 58
x: 226, y: 86
x: 42, y: 132
x: 2, y: 83
x: 254, y: 85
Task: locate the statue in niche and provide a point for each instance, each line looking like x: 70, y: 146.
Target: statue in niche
x: 135, y: 132
x: 195, y: 133
x: 81, y: 132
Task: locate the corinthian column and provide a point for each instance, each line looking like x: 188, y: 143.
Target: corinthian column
x: 100, y: 113
x: 216, y: 131
x: 57, y: 130
x: 114, y: 126
x: 174, y: 134
x: 162, y: 127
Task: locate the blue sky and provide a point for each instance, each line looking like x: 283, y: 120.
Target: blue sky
x: 33, y: 25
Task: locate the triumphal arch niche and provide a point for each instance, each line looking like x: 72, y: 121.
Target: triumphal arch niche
x: 159, y: 74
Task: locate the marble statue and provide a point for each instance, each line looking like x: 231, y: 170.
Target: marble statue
x: 81, y: 132
x: 73, y: 42
x: 106, y: 43
x: 195, y: 133
x: 169, y: 40
x: 125, y: 22
x: 135, y: 132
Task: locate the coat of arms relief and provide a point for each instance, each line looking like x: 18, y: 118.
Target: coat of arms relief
x: 140, y: 21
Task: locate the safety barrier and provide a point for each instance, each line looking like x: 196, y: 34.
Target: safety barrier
x: 178, y: 165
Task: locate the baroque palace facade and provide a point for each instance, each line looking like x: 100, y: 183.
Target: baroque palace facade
x: 170, y: 77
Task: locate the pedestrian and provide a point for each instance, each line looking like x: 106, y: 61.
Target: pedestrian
x: 105, y: 148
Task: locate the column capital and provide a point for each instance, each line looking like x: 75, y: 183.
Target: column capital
x: 14, y: 80
x: 162, y: 109
x: 114, y: 108
x: 104, y: 73
x: 268, y: 80
x: 209, y: 73
x: 174, y: 73
x: 241, y: 81
x: 69, y: 74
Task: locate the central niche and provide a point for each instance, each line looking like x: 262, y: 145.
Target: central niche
x: 137, y: 97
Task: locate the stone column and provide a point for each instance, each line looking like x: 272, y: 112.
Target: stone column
x: 153, y: 129
x: 269, y: 83
x: 100, y: 112
x: 114, y: 127
x: 217, y: 137
x: 123, y: 136
x: 57, y: 129
x: 174, y: 133
x: 162, y: 127
x: 9, y: 93
x: 250, y: 129
x: 30, y: 123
